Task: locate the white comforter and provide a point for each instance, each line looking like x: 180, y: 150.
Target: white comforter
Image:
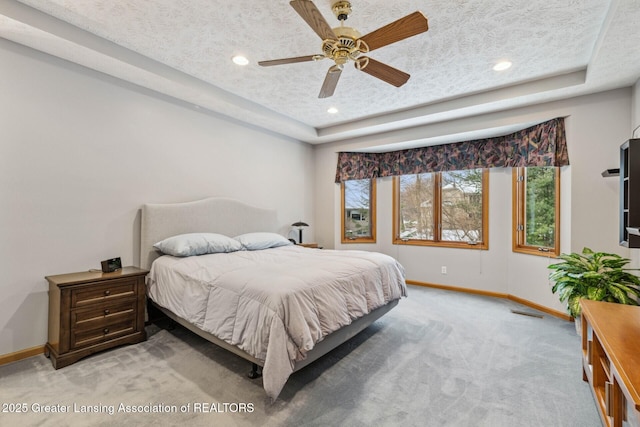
x: 275, y: 304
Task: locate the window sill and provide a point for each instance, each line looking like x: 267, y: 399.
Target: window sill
x: 535, y: 251
x: 458, y: 245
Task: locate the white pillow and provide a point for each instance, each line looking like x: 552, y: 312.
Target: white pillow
x: 197, y: 244
x: 262, y: 240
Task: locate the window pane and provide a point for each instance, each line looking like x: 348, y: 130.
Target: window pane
x: 462, y: 206
x: 540, y: 209
x: 357, y: 208
x: 416, y: 207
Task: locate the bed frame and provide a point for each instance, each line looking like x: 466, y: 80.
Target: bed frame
x: 229, y: 217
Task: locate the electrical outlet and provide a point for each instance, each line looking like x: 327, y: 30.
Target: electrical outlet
x: 443, y: 269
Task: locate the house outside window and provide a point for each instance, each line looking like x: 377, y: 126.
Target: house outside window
x: 358, y: 211
x: 442, y: 209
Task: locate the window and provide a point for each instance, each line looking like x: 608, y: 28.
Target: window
x: 443, y: 209
x: 536, y: 210
x: 358, y: 211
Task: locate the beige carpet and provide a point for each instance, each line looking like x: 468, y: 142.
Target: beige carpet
x: 438, y: 359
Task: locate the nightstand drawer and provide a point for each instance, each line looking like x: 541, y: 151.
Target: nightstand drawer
x: 103, y: 292
x: 83, y: 338
x: 102, y: 315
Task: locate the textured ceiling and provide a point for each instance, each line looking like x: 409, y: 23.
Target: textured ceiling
x: 183, y: 48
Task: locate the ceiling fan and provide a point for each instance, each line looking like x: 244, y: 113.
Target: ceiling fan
x: 343, y: 44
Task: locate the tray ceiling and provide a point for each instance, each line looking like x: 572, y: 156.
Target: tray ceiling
x: 183, y: 49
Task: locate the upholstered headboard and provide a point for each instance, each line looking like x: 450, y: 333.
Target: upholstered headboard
x: 213, y: 215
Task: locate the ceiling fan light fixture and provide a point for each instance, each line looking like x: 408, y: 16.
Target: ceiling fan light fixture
x: 502, y: 65
x: 240, y: 60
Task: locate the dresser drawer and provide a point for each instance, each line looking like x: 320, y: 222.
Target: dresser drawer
x: 109, y: 331
x: 103, y: 292
x: 102, y: 315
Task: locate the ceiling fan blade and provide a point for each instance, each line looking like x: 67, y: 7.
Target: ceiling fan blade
x: 382, y: 71
x: 312, y: 16
x: 330, y: 82
x: 287, y: 60
x: 401, y: 29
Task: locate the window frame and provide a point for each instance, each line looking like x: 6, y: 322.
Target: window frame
x: 437, y: 205
x: 518, y: 227
x: 372, y: 215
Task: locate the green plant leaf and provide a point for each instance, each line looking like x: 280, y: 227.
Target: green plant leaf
x: 574, y: 306
x: 593, y: 275
x: 598, y: 276
x: 596, y: 294
x: 618, y: 295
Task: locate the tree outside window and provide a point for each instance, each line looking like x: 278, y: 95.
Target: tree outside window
x: 536, y: 207
x: 416, y: 220
x: 445, y: 208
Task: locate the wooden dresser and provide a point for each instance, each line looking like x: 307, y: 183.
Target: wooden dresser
x: 93, y: 311
x: 611, y: 360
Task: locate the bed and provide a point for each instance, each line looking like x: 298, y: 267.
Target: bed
x: 281, y: 307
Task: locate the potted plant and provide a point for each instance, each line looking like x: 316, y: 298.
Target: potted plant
x: 597, y: 276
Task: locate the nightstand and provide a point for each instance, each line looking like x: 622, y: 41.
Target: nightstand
x: 93, y: 311
x: 309, y: 245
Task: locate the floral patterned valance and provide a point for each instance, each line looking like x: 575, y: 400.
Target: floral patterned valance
x: 544, y: 144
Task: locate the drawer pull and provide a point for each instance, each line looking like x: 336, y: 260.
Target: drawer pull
x: 106, y: 312
x: 107, y: 293
x: 105, y: 330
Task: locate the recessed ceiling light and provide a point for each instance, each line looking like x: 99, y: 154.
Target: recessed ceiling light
x: 501, y: 66
x: 332, y: 110
x: 240, y: 60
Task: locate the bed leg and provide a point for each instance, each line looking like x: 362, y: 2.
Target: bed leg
x: 255, y: 372
x: 171, y: 325
x: 154, y: 315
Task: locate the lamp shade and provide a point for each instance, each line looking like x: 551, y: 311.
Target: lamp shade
x: 299, y: 225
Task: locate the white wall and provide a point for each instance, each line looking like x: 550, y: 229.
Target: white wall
x: 596, y: 126
x: 81, y: 152
x: 635, y: 110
